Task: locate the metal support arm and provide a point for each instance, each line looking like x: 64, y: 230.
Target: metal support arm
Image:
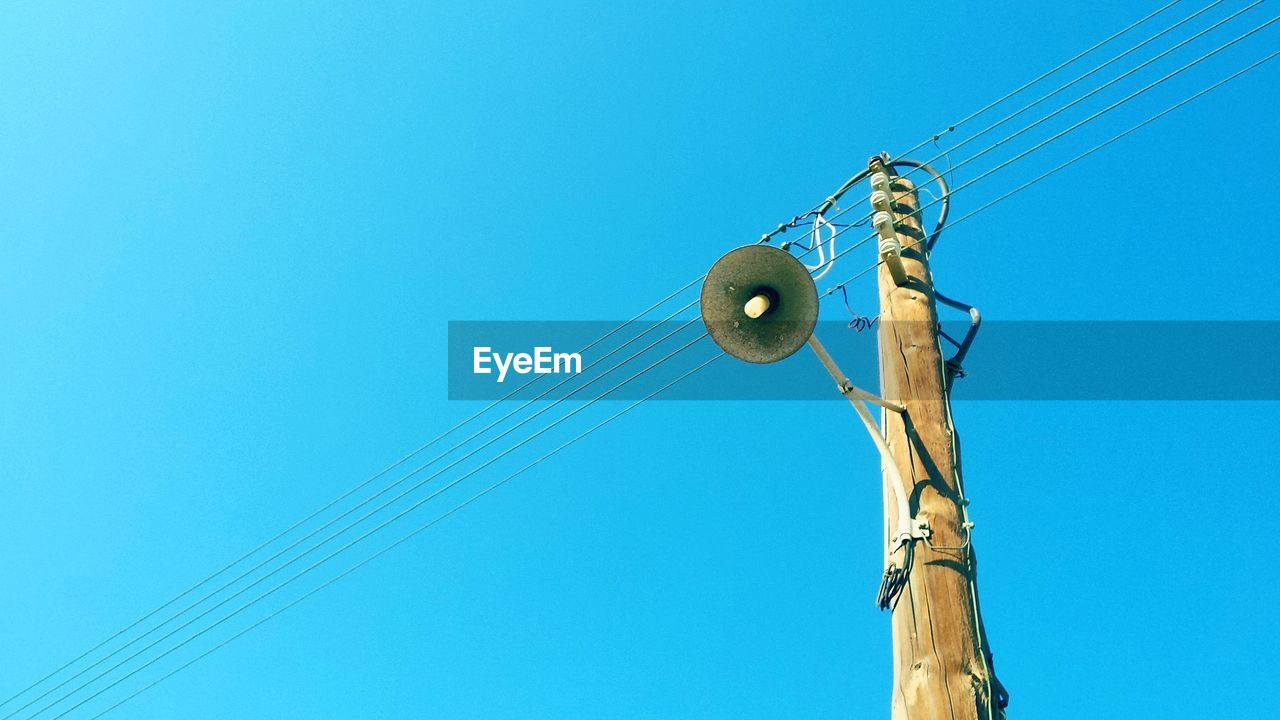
x: 908, y: 527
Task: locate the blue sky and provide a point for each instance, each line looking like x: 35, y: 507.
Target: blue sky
x: 234, y: 238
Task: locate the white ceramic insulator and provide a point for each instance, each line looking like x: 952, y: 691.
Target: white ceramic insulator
x: 883, y: 223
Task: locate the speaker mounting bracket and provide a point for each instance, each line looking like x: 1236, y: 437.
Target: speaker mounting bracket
x: 909, y: 528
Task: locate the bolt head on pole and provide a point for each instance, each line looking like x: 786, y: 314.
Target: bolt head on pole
x: 759, y: 304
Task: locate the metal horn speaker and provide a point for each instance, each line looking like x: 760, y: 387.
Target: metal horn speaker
x: 759, y: 304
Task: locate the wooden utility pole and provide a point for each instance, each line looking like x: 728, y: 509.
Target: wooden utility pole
x: 942, y: 668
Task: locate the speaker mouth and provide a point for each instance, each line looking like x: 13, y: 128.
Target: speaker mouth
x: 759, y: 304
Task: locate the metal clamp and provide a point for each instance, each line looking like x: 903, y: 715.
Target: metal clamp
x: 920, y: 529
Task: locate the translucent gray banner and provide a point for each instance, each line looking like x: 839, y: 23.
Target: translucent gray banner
x: 1012, y: 360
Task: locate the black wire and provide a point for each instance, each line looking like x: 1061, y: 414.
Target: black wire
x: 895, y: 578
x: 859, y: 322
x: 944, y: 193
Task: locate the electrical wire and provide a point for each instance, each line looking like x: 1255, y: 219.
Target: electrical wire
x: 1122, y: 76
x: 406, y: 537
x: 354, y: 524
x: 1117, y: 137
x: 1078, y: 124
x: 933, y: 237
x: 381, y: 492
x: 1037, y: 147
x: 1080, y: 77
x: 333, y: 503
x: 481, y: 412
x: 858, y: 177
x: 369, y: 533
x: 1059, y: 89
x: 938, y: 177
x: 1170, y: 75
x: 1042, y: 76
x: 824, y: 266
x: 1074, y: 160
x: 895, y: 578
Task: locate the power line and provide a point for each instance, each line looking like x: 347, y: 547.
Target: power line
x: 406, y: 537
x: 1080, y: 123
x: 1041, y: 145
x: 379, y: 493
x: 1075, y: 80
x: 336, y: 534
x: 975, y: 212
x: 969, y: 215
x: 357, y: 540
x: 332, y: 503
x: 821, y: 207
x: 1124, y: 75
x: 435, y: 440
x: 1070, y: 104
x: 1117, y: 137
x: 1074, y: 160
x: 1042, y: 76
x: 1033, y: 149
x: 1024, y: 186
